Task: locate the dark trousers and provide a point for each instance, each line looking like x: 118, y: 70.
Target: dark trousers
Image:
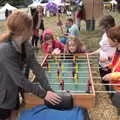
x: 103, y: 72
x: 35, y: 41
x: 90, y: 25
x: 4, y: 114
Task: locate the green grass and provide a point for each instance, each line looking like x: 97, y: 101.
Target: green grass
x: 2, y: 26
x: 91, y: 39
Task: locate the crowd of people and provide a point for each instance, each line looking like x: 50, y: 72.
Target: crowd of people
x: 17, y: 50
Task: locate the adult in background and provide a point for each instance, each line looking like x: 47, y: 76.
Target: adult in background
x: 6, y: 13
x: 38, y: 23
x: 118, y: 5
x: 79, y: 14
x: 93, y: 10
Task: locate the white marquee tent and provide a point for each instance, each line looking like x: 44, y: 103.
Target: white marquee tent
x: 3, y: 9
x: 58, y: 2
x: 113, y: 2
x: 34, y: 5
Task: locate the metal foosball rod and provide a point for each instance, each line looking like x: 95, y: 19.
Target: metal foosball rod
x: 76, y: 78
x: 72, y: 91
x: 70, y: 63
x: 95, y: 84
x: 81, y: 84
x: 67, y: 57
x: 60, y: 59
x: 69, y: 72
x: 63, y: 67
x: 63, y: 71
x: 106, y: 84
x: 106, y: 91
x: 73, y: 77
x: 54, y: 71
x: 72, y: 67
x: 48, y: 67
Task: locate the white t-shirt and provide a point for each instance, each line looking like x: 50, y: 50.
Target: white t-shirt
x: 106, y: 51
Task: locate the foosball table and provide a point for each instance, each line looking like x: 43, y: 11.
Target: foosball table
x: 71, y: 73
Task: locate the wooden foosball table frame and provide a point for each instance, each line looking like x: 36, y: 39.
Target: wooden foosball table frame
x: 85, y: 100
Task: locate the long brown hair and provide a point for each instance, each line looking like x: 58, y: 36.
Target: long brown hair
x: 79, y: 44
x: 35, y: 16
x: 17, y: 22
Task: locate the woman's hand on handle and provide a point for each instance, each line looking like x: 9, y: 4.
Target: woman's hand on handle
x: 52, y: 98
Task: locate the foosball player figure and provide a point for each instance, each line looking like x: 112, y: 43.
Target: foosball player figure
x: 56, y: 59
x: 76, y: 77
x: 59, y: 77
x: 73, y: 69
x: 58, y: 73
x: 89, y: 87
x: 62, y: 84
x: 76, y: 68
x: 73, y: 73
x: 60, y: 65
x: 48, y: 66
x: 74, y: 61
x: 62, y: 68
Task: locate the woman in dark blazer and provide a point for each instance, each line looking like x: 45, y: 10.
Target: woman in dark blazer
x: 15, y: 51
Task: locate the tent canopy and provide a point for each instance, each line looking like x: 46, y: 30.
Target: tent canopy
x: 7, y: 6
x: 113, y: 2
x: 58, y: 2
x: 4, y: 8
x: 34, y: 5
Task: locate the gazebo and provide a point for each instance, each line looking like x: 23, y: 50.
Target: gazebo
x: 8, y: 7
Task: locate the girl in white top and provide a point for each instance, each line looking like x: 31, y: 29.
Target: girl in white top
x: 105, y: 51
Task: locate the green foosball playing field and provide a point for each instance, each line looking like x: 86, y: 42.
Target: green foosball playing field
x: 71, y: 73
